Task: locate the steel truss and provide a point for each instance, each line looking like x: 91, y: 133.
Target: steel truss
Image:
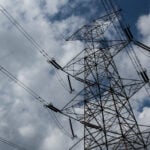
x: 103, y: 106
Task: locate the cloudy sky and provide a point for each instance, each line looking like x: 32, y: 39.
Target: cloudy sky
x: 23, y: 120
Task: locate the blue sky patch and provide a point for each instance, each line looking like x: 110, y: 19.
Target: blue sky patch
x: 144, y: 103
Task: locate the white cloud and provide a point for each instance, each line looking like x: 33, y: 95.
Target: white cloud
x: 52, y: 7
x: 144, y: 25
x: 55, y: 140
x: 27, y: 131
x: 144, y: 116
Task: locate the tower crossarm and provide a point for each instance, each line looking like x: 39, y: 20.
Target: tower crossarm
x: 97, y: 27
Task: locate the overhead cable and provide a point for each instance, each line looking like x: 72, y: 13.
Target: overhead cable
x: 30, y: 91
x: 38, y: 47
x: 59, y: 125
x: 11, y: 144
x: 21, y: 84
x: 24, y: 32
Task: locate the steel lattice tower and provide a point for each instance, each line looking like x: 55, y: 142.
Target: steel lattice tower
x: 108, y: 118
x: 103, y: 106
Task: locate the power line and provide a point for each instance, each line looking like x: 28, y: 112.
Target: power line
x: 59, y: 125
x: 35, y: 95
x: 32, y: 93
x: 61, y: 81
x: 21, y: 84
x: 11, y: 144
x: 31, y: 40
x: 24, y: 32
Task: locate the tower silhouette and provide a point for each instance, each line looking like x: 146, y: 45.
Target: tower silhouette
x: 103, y: 105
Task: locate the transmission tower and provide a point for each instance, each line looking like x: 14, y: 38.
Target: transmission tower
x: 103, y: 106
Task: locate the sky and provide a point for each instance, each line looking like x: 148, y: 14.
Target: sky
x: 25, y: 121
